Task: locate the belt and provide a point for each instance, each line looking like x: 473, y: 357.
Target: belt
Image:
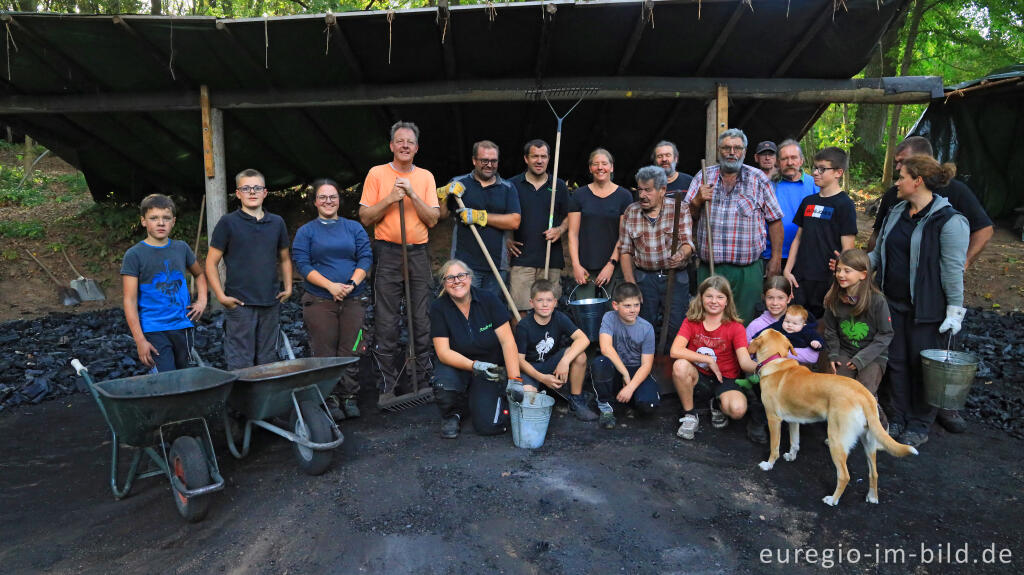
x: 393, y: 245
x: 661, y: 272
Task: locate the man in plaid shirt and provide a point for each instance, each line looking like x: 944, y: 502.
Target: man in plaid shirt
x: 743, y: 205
x: 645, y: 237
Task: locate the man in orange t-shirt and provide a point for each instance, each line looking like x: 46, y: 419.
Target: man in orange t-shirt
x: 386, y: 185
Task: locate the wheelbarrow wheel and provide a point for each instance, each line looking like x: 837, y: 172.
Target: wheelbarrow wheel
x: 188, y: 463
x: 317, y: 429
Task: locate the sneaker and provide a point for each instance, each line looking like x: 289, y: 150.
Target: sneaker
x: 718, y: 419
x: 334, y: 407
x: 688, y: 426
x: 607, y: 420
x: 450, y: 427
x: 913, y: 438
x: 757, y: 431
x: 951, y: 420
x: 895, y: 430
x: 578, y: 405
x: 351, y: 407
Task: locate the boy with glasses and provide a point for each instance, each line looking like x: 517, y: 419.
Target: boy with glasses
x: 827, y: 224
x: 252, y: 243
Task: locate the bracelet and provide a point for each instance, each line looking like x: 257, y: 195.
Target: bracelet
x: 614, y: 262
x: 351, y: 283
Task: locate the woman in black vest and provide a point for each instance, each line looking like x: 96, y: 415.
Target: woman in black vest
x: 473, y: 340
x: 919, y: 258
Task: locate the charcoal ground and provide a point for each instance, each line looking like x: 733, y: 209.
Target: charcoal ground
x: 398, y: 498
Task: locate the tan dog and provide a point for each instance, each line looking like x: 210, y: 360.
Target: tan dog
x: 793, y: 393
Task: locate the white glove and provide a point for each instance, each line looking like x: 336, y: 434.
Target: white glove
x: 954, y: 317
x: 488, y: 371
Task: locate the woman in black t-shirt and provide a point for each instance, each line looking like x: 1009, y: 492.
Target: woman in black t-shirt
x: 597, y: 208
x: 473, y: 340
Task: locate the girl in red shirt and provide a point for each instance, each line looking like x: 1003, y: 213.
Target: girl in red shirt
x: 711, y: 348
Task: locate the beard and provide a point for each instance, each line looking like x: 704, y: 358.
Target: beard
x: 670, y: 169
x: 730, y: 166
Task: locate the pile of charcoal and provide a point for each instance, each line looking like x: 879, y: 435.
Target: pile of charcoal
x: 997, y: 396
x: 35, y: 354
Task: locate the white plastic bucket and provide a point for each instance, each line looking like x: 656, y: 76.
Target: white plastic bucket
x: 530, y: 420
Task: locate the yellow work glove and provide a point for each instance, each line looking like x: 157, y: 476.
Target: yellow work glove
x: 455, y: 188
x: 471, y: 216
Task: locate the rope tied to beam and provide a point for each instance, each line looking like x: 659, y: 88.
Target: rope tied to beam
x: 649, y: 7
x: 266, y: 41
x: 327, y: 44
x: 170, y: 61
x: 492, y: 11
x: 391, y: 18
x: 8, y: 42
x: 443, y: 15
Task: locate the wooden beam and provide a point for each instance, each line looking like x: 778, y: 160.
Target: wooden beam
x: 646, y: 11
x: 216, y: 179
x: 208, y: 161
x: 919, y: 89
x: 721, y: 38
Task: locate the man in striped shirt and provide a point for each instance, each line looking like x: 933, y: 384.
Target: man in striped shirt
x: 744, y: 212
x: 645, y: 237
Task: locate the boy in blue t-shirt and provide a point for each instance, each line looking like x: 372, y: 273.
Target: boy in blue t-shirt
x: 552, y: 350
x: 156, y: 298
x: 623, y: 370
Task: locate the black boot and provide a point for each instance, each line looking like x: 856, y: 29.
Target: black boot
x: 757, y: 421
x: 450, y: 404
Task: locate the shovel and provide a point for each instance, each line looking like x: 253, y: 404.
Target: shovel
x: 66, y: 295
x: 87, y: 289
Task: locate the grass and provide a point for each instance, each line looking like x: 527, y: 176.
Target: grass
x: 40, y: 188
x: 33, y: 229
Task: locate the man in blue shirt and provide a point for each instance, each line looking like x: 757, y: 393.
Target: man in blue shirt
x: 793, y: 186
x: 492, y: 205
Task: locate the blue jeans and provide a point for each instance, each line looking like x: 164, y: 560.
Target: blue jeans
x: 485, y: 280
x: 653, y: 286
x: 608, y: 382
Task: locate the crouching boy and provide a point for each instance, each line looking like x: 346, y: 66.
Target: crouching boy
x: 552, y: 350
x: 622, y: 372
x: 156, y: 298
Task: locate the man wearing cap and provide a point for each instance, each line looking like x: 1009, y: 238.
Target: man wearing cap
x: 765, y: 157
x: 791, y: 187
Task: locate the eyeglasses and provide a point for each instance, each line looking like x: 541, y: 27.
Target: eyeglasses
x: 252, y: 189
x: 727, y: 149
x: 456, y: 278
x: 327, y: 199
x: 821, y: 169
x: 404, y: 142
x: 493, y: 162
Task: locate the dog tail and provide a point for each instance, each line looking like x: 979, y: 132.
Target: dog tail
x: 882, y: 437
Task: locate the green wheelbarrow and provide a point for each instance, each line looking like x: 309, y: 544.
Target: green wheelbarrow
x: 296, y: 387
x: 163, y: 415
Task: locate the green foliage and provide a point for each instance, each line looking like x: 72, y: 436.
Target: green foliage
x: 120, y: 221
x: 29, y: 229
x: 10, y: 255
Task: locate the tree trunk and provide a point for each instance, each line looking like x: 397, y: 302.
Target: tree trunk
x: 155, y: 7
x: 29, y: 157
x: 894, y: 121
x: 869, y: 119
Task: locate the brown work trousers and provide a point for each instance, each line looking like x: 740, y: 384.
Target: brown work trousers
x: 335, y: 331
x: 388, y: 292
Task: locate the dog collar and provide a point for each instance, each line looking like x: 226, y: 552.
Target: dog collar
x: 767, y: 361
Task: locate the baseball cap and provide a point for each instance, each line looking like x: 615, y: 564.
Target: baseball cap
x: 766, y: 146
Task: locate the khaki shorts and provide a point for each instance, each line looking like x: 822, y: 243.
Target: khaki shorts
x: 521, y: 278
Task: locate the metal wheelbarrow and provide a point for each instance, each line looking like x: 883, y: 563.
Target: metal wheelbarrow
x: 163, y: 415
x: 296, y: 387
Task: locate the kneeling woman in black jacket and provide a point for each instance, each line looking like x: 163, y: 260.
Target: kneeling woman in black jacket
x: 473, y: 339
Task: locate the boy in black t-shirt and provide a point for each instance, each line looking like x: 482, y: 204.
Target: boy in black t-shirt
x: 551, y: 350
x: 827, y: 225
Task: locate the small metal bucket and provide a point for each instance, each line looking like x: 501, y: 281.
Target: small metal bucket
x: 947, y: 377
x: 588, y: 312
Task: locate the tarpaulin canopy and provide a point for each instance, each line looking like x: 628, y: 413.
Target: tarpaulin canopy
x: 313, y: 96
x: 979, y: 126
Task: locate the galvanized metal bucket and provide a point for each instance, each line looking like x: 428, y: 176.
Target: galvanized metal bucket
x: 947, y: 377
x: 588, y: 312
x: 530, y: 420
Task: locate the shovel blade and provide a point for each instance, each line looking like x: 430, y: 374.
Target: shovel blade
x: 69, y: 297
x: 88, y: 290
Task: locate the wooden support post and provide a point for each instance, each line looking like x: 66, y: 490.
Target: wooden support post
x: 711, y: 133
x: 213, y: 160
x: 722, y: 119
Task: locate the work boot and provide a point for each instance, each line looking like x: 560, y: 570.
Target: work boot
x: 757, y: 432
x: 450, y: 427
x: 351, y: 407
x: 951, y: 420
x: 334, y: 408
x: 607, y: 420
x: 913, y: 438
x: 578, y: 405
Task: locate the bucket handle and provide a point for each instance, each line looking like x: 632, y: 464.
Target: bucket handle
x: 588, y: 283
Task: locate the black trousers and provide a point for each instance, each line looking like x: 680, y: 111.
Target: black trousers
x: 903, y: 382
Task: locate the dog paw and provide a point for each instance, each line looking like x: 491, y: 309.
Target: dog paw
x: 766, y: 466
x: 829, y: 501
x: 872, y: 497
x: 789, y: 455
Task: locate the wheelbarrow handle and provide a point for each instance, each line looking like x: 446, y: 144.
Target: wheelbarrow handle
x: 79, y: 368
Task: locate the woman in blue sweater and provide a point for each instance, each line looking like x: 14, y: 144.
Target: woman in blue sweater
x: 333, y: 255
